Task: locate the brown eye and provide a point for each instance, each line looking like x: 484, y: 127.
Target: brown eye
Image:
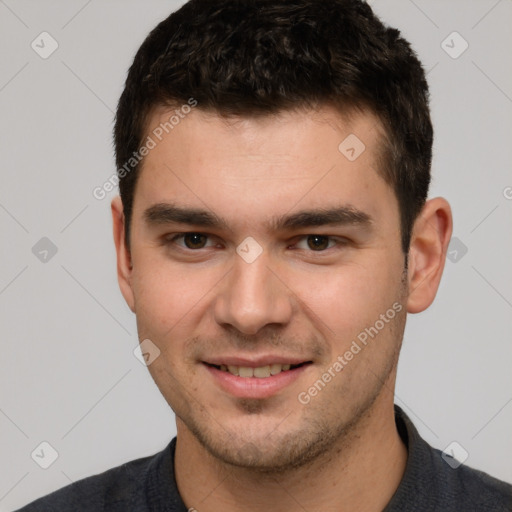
x: 195, y: 240
x: 318, y: 242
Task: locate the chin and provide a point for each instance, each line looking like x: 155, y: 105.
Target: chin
x: 266, y: 449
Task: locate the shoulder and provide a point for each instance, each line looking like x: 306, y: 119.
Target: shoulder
x: 434, y: 481
x: 470, y: 487
x: 118, y: 488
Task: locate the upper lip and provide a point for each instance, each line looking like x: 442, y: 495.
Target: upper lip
x: 254, y: 362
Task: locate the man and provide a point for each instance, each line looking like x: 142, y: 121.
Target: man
x: 272, y: 233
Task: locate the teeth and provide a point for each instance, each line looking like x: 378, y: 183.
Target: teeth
x: 261, y: 372
x: 275, y: 368
x: 244, y: 371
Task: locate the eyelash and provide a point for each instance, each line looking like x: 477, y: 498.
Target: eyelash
x: 333, y: 241
x: 174, y: 238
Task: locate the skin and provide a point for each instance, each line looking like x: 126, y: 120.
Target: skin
x: 340, y: 451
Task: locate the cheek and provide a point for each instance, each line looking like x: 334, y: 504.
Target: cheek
x: 348, y: 299
x: 169, y: 298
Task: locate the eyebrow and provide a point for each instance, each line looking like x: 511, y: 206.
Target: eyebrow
x: 343, y: 215
x: 166, y: 213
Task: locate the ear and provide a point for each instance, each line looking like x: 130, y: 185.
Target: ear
x: 427, y: 254
x: 124, y: 264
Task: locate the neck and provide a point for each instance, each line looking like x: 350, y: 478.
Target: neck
x: 361, y: 472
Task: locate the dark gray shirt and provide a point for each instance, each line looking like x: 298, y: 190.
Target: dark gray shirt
x: 148, y: 484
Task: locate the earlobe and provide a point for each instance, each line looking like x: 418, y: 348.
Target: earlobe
x: 124, y: 263
x: 427, y: 254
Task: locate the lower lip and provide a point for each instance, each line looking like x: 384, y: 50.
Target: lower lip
x: 255, y: 387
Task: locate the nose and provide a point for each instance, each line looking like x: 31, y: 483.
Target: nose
x: 253, y: 297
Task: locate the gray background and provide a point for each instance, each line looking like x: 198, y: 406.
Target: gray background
x: 68, y: 374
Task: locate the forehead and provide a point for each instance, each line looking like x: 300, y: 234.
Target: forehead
x: 242, y: 166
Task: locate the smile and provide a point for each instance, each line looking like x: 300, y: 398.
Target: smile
x: 260, y: 372
x: 258, y: 381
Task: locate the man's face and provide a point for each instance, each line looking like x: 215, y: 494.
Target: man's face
x: 257, y: 243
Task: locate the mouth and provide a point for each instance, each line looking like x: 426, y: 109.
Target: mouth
x: 257, y: 380
x: 260, y: 372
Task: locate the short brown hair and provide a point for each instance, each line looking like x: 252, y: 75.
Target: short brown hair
x: 254, y: 57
